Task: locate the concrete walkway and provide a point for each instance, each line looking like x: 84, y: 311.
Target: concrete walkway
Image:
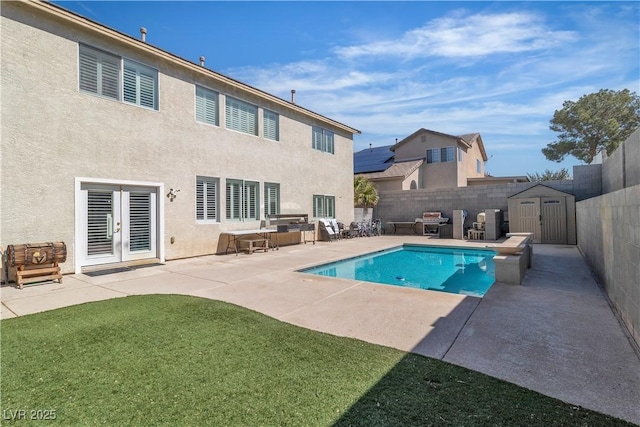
x: 556, y: 334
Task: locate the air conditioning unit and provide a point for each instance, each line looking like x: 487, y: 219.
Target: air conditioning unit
x: 481, y: 217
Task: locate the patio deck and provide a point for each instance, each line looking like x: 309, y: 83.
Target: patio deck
x: 556, y: 334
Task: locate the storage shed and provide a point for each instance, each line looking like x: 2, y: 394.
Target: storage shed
x: 548, y: 213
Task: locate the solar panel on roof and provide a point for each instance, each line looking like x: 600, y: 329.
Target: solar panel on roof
x: 373, y: 159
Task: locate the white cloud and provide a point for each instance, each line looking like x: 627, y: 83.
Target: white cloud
x: 466, y: 36
x: 509, y: 99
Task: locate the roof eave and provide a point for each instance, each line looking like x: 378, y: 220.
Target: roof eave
x: 87, y: 23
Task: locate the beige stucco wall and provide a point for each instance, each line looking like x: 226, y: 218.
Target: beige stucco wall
x: 52, y: 134
x: 388, y: 184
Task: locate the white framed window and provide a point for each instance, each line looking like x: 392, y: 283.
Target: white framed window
x: 322, y: 140
x: 108, y: 75
x: 324, y: 206
x: 242, y: 200
x: 271, y: 198
x: 241, y: 116
x: 206, y: 199
x: 251, y: 200
x: 140, y: 85
x: 271, y: 125
x: 206, y: 106
x: 459, y: 154
x: 478, y: 166
x: 99, y: 72
x: 441, y: 155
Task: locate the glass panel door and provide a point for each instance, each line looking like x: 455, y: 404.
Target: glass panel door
x: 103, y: 225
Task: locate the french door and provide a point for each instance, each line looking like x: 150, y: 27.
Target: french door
x: 120, y: 223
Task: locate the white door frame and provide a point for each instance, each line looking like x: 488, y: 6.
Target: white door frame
x: 79, y: 258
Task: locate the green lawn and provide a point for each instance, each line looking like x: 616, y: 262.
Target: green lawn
x: 177, y: 360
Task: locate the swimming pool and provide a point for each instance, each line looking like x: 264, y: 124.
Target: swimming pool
x: 455, y: 270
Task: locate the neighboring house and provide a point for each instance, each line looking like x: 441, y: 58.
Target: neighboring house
x: 428, y: 159
x: 127, y: 152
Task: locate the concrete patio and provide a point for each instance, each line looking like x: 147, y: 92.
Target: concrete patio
x: 556, y: 334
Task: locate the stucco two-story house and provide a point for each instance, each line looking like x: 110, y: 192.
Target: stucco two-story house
x: 427, y: 159
x: 128, y: 152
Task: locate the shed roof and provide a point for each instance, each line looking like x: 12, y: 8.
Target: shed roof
x: 539, y: 190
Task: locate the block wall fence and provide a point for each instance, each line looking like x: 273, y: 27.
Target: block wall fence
x: 609, y: 232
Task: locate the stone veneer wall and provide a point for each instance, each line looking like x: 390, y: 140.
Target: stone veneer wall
x: 609, y: 232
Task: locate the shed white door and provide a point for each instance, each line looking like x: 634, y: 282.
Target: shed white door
x: 553, y: 218
x: 121, y: 223
x: 529, y: 217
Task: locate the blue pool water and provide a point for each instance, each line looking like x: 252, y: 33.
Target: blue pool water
x: 454, y: 270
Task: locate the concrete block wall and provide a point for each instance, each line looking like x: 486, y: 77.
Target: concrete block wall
x: 632, y: 159
x: 587, y: 181
x: 609, y: 238
x: 410, y: 204
x: 622, y: 168
x: 609, y: 232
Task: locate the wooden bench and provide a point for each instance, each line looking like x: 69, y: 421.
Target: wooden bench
x: 256, y: 245
x: 36, y: 262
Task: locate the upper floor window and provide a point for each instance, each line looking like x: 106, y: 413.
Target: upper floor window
x: 206, y: 106
x: 271, y: 198
x: 270, y: 125
x: 478, y: 166
x: 241, y: 116
x: 441, y: 155
x: 140, y: 85
x: 110, y: 76
x: 322, y: 139
x: 99, y: 73
x: 206, y: 199
x: 242, y: 200
x: 459, y: 154
x: 324, y: 206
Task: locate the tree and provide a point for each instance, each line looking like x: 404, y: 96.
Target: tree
x: 550, y: 175
x: 365, y: 193
x: 601, y: 120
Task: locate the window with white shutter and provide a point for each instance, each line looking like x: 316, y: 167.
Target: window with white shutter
x: 241, y: 116
x: 99, y: 72
x: 234, y: 199
x: 270, y: 125
x: 251, y: 200
x: 140, y: 85
x: 324, y: 206
x: 206, y: 199
x: 243, y: 200
x: 322, y: 140
x: 271, y: 198
x: 206, y: 106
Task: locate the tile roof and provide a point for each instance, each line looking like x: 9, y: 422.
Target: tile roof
x: 396, y: 170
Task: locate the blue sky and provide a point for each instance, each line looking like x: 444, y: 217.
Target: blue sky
x: 391, y: 68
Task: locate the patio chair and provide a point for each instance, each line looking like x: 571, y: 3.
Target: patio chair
x: 343, y: 231
x: 326, y: 230
x: 354, y: 230
x: 336, y: 228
